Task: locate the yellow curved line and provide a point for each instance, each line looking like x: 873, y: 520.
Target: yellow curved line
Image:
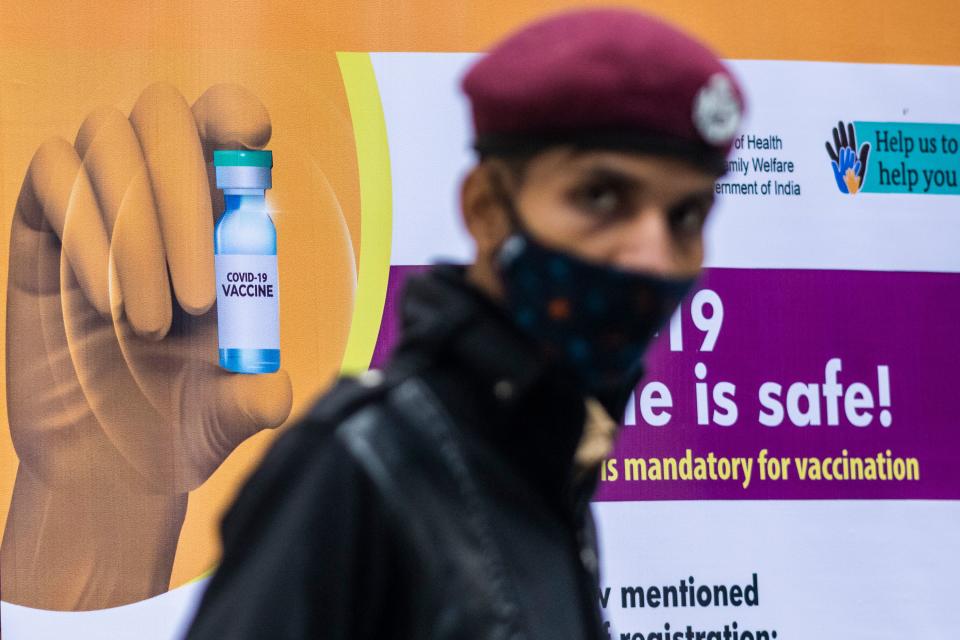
x: 376, y: 208
x: 206, y: 574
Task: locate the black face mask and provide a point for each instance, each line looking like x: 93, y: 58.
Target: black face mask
x: 595, y: 319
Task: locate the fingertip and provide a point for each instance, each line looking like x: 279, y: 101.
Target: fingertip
x: 273, y: 399
x: 149, y: 326
x: 194, y: 287
x: 194, y: 283
x: 100, y: 301
x: 152, y: 335
x: 159, y: 90
x: 266, y: 399
x: 93, y: 124
x: 45, y: 161
x: 195, y: 305
x: 230, y: 116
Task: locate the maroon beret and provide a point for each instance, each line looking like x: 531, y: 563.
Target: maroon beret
x: 605, y: 78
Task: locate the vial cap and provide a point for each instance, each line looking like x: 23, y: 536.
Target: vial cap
x: 242, y: 158
x: 242, y: 170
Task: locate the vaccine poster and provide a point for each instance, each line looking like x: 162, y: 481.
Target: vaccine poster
x: 785, y: 469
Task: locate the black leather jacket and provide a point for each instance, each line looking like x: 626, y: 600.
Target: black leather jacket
x: 433, y: 500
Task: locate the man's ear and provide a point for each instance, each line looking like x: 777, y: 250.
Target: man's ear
x: 483, y: 213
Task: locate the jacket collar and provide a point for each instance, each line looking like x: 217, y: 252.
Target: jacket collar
x: 442, y: 313
x: 529, y: 411
x: 494, y: 380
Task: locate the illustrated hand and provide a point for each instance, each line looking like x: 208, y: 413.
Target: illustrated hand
x: 849, y: 168
x: 117, y: 407
x: 846, y: 171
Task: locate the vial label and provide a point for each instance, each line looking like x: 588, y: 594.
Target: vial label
x: 248, y: 310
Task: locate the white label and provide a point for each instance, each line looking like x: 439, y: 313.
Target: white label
x: 248, y: 295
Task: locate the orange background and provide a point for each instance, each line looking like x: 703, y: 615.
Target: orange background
x: 58, y: 60
x: 49, y: 92
x: 925, y: 32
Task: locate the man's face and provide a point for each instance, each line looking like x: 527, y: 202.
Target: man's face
x: 636, y: 212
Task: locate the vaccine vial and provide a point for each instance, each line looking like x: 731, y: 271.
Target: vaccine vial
x: 245, y: 247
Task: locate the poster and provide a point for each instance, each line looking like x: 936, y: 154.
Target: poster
x: 785, y: 468
x: 788, y: 449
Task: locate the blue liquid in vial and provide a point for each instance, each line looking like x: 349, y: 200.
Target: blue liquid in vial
x: 245, y: 228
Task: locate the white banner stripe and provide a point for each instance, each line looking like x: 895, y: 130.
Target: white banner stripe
x: 428, y: 127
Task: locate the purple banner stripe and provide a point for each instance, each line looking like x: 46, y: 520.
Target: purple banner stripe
x: 808, y: 371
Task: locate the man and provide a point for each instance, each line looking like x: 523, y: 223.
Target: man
x: 447, y: 497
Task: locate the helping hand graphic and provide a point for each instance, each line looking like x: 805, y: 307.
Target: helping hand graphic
x: 849, y: 169
x: 117, y: 407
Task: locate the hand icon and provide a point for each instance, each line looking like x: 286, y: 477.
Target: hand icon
x: 849, y: 168
x: 116, y: 405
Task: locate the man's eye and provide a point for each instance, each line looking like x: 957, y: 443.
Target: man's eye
x: 688, y: 219
x: 600, y: 198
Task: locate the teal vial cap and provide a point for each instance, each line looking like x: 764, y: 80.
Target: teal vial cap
x: 243, y: 168
x: 242, y: 158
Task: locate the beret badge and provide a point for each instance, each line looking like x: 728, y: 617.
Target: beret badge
x: 716, y: 110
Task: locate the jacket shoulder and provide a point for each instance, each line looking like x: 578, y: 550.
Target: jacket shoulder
x: 346, y: 397
x: 308, y: 460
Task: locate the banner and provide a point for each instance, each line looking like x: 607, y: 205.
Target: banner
x: 785, y: 468
x: 792, y: 426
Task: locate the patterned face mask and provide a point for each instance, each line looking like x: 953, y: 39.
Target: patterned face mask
x: 596, y: 319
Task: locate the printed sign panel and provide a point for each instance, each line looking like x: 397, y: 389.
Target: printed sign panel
x: 783, y: 469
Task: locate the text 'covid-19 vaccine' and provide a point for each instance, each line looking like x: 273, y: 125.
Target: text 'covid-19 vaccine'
x: 245, y: 244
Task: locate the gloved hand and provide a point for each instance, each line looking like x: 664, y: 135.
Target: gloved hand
x: 117, y: 407
x: 849, y: 169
